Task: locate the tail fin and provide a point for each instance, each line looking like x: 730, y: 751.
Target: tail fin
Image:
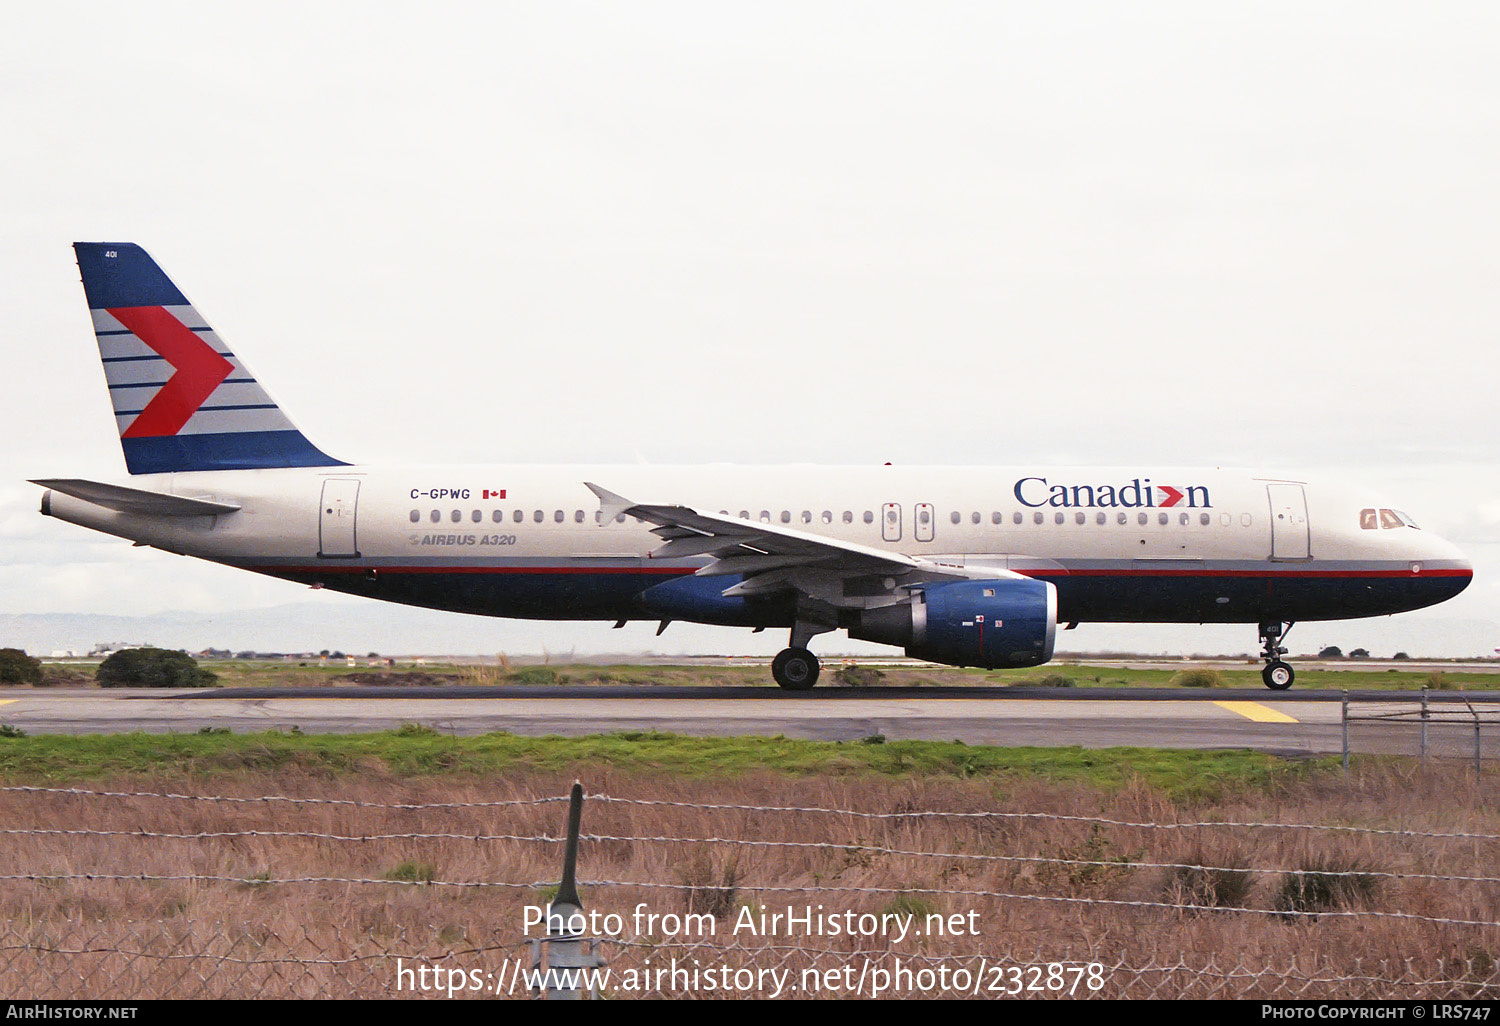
x: 182, y: 400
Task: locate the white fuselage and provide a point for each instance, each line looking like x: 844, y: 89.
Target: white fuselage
x: 1120, y: 544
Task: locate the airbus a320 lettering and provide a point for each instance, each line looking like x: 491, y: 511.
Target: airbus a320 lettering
x: 957, y: 565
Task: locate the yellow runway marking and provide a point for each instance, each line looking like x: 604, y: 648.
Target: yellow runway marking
x: 1257, y: 712
x: 8, y: 701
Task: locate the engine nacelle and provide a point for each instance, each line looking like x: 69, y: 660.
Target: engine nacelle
x: 994, y: 624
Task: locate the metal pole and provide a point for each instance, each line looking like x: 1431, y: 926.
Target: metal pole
x: 568, y: 954
x: 1424, y: 722
x: 1345, y: 718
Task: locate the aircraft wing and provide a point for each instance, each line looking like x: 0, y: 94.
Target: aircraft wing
x: 770, y: 557
x: 136, y: 500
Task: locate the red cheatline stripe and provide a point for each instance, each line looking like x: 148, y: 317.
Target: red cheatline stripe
x: 330, y: 569
x: 681, y: 570
x: 1273, y: 574
x: 198, y: 370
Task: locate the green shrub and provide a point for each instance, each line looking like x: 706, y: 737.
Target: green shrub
x: 1211, y: 887
x: 1051, y: 680
x: 16, y: 667
x: 411, y: 872
x: 152, y: 668
x: 6, y: 730
x: 709, y: 891
x: 858, y: 676
x: 1440, y: 681
x: 533, y: 675
x: 1199, y: 678
x: 1327, y: 884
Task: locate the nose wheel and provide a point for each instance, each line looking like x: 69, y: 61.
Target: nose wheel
x: 795, y: 669
x: 1278, y: 675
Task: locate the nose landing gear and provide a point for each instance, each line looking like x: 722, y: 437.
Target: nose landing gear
x: 1277, y: 674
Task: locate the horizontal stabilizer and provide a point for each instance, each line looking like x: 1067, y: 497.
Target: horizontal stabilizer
x: 136, y: 500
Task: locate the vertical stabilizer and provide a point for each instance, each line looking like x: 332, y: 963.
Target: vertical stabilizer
x: 182, y: 400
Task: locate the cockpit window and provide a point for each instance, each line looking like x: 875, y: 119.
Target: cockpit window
x: 1387, y: 519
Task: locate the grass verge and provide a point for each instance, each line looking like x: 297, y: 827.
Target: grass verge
x: 420, y: 751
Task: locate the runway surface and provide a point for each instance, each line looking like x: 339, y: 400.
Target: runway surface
x: 1305, y: 722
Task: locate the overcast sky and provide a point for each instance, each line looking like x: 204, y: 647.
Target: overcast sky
x: 1260, y: 235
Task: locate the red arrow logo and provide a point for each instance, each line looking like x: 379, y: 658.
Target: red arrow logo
x: 1174, y: 496
x: 198, y: 370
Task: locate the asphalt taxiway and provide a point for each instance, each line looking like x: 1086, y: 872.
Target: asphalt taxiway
x: 1293, y: 722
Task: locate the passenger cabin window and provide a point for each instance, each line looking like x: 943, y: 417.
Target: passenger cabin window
x: 848, y: 516
x: 1140, y: 518
x: 518, y: 516
x: 1057, y: 517
x: 1036, y: 517
x: 477, y: 516
x: 538, y: 516
x: 869, y: 517
x: 1203, y: 519
x: 1161, y: 518
x: 973, y: 518
x: 765, y: 516
x: 497, y: 516
x: 1120, y: 518
x: 557, y: 516
x: 416, y: 516
x: 1016, y: 517
x: 828, y: 516
x: 1080, y: 517
x: 786, y: 516
x: 1100, y: 518
x: 995, y: 518
x: 578, y: 516
x: 954, y: 517
x: 456, y: 516
x: 807, y: 516
x: 435, y: 516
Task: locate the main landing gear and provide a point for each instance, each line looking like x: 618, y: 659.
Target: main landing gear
x: 795, y: 668
x: 1277, y: 674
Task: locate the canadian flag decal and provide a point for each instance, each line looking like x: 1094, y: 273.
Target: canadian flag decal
x: 198, y: 370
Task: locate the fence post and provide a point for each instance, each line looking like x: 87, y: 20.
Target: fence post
x: 1424, y: 722
x: 565, y: 953
x: 1475, y: 713
x: 1345, y: 718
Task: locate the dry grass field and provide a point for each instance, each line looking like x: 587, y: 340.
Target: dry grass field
x: 254, y: 912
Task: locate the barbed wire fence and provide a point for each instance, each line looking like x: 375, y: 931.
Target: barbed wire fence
x: 160, y: 901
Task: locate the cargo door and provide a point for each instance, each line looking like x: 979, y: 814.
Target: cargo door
x: 1289, y: 527
x: 337, y: 517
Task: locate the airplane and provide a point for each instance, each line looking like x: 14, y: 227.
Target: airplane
x: 956, y: 565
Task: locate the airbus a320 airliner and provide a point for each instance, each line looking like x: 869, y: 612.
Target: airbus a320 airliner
x: 957, y: 565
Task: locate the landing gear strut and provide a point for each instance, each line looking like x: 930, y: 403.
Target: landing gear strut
x: 795, y: 669
x: 1277, y: 674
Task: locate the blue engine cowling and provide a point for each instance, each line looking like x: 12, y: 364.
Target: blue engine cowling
x: 994, y: 624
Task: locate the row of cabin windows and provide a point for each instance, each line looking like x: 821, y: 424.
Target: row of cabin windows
x: 559, y: 516
x: 1038, y: 517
